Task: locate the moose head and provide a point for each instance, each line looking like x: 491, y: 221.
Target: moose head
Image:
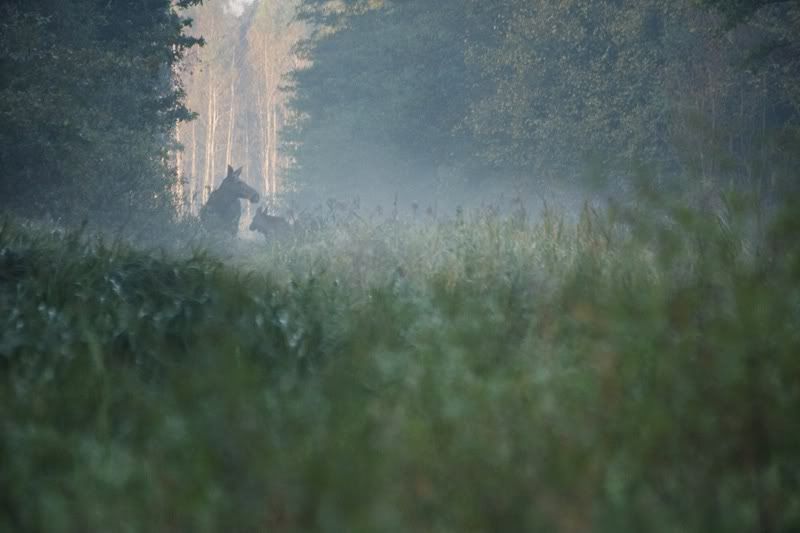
x: 233, y: 186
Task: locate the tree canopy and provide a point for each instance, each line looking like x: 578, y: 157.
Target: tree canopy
x: 88, y: 103
x: 539, y: 89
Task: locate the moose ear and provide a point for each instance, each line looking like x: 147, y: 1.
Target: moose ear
x: 238, y: 172
x: 230, y: 171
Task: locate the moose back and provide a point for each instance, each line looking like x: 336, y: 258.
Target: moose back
x: 270, y: 226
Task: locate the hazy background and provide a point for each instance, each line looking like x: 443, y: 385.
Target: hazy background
x: 112, y: 114
x: 462, y: 102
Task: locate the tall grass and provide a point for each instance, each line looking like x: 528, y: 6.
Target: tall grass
x: 486, y: 373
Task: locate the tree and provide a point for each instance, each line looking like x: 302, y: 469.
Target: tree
x: 575, y: 79
x: 88, y: 105
x: 235, y: 86
x: 536, y: 90
x: 382, y: 96
x: 765, y: 38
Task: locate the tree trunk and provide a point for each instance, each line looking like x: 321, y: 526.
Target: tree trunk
x: 260, y: 128
x: 211, y: 137
x: 180, y: 191
x: 214, y: 141
x: 209, y: 145
x: 193, y: 175
x: 274, y: 156
x: 231, y: 112
x: 267, y: 104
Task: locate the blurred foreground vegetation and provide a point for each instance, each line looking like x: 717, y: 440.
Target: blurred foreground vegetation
x: 485, y: 373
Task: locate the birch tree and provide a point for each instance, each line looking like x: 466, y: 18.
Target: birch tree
x: 237, y: 89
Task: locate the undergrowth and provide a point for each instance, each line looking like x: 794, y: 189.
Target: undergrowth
x: 486, y: 373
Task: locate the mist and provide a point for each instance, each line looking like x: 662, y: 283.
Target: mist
x: 237, y: 7
x: 399, y: 265
x: 317, y: 111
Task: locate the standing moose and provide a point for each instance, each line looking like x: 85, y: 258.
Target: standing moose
x: 223, y: 210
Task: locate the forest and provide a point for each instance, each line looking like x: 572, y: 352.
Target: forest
x: 399, y: 265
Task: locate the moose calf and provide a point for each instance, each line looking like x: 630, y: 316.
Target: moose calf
x: 270, y: 226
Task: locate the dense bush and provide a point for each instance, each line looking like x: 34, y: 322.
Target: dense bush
x: 485, y: 373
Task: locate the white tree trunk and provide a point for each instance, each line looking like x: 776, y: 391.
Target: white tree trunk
x: 274, y: 156
x: 193, y: 176
x: 213, y: 147
x: 231, y: 112
x: 267, y: 128
x: 209, y: 140
x: 211, y: 144
x: 180, y: 189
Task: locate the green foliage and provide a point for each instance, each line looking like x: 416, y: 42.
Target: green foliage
x: 384, y: 94
x: 632, y: 371
x: 614, y: 82
x: 397, y: 90
x: 737, y: 11
x: 88, y: 104
x: 573, y: 78
x: 772, y: 45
